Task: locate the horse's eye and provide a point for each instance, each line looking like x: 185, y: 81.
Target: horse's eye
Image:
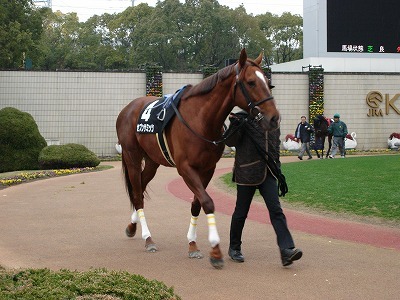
x: 252, y: 83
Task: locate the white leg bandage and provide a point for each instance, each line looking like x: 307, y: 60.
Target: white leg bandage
x: 192, y: 232
x: 134, y: 217
x: 143, y: 224
x: 213, y: 236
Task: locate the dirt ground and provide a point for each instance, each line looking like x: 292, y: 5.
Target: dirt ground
x: 78, y: 222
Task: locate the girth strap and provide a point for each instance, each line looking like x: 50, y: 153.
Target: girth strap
x: 162, y: 143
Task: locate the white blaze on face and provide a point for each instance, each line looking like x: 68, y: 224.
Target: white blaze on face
x: 262, y: 77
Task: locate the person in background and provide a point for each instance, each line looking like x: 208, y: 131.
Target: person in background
x: 257, y: 166
x: 338, y: 129
x: 303, y: 133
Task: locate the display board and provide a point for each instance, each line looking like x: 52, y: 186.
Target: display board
x: 364, y: 26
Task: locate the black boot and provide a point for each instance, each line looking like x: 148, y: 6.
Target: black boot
x: 290, y: 255
x: 236, y: 255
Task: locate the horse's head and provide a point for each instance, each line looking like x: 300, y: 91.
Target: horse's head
x: 320, y: 125
x: 252, y: 92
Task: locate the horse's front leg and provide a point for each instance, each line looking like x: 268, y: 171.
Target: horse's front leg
x: 329, y: 146
x: 197, y: 186
x: 213, y: 237
x: 194, y: 251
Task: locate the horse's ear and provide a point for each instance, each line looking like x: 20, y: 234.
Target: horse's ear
x: 258, y: 60
x: 243, y: 58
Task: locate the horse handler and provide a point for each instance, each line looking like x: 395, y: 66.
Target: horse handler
x: 303, y: 133
x: 338, y: 129
x: 257, y: 166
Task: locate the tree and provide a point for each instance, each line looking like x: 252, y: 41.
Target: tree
x: 20, y: 29
x: 249, y: 34
x: 178, y: 36
x: 285, y: 33
x: 158, y: 36
x: 124, y: 32
x: 60, y: 44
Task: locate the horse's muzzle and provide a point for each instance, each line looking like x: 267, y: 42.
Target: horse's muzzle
x: 271, y: 123
x: 275, y: 122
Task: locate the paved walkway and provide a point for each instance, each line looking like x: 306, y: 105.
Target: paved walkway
x: 78, y: 222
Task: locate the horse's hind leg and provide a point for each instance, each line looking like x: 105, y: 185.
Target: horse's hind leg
x: 147, y: 175
x: 138, y: 216
x: 139, y: 177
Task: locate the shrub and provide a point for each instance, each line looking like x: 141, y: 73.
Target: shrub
x: 67, y: 156
x: 20, y: 141
x: 92, y: 284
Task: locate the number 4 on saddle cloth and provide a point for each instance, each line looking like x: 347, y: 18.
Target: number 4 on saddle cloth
x: 156, y: 115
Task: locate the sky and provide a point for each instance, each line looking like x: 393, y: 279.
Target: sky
x: 87, y: 8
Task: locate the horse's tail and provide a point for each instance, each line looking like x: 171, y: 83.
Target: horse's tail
x: 128, y: 184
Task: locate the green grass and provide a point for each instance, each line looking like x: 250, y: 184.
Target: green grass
x: 93, y: 284
x: 365, y: 186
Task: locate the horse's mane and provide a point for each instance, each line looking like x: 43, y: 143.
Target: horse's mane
x: 209, y: 83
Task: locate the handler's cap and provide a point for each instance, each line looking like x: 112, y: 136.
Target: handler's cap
x: 336, y: 115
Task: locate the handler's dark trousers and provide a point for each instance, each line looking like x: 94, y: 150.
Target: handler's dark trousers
x: 269, y: 191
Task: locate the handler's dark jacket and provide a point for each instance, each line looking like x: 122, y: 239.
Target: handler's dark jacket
x: 250, y: 167
x: 303, y: 132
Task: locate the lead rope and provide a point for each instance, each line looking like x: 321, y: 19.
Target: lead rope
x: 273, y: 166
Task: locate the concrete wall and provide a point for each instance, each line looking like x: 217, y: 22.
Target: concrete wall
x: 81, y: 107
x: 346, y: 94
x: 174, y: 81
x: 73, y: 107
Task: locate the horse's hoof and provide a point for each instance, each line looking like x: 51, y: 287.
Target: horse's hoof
x: 196, y: 254
x: 130, y: 230
x: 151, y: 248
x: 217, y: 263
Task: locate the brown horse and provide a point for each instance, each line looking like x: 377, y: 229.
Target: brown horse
x: 194, y: 140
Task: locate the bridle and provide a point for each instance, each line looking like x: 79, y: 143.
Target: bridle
x: 254, y: 112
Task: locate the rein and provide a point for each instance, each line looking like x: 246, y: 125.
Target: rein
x: 178, y: 114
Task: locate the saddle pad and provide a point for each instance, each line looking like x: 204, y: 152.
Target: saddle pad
x: 156, y: 115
